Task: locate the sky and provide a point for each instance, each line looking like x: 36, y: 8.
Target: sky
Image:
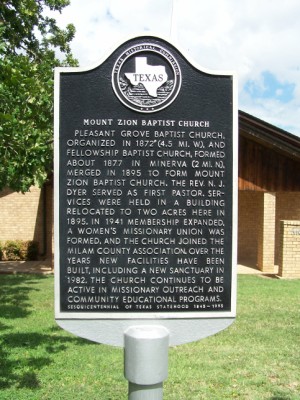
x: 258, y: 39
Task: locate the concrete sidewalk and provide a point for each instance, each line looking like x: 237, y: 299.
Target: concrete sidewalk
x: 248, y: 270
x: 26, y: 267
x: 46, y: 267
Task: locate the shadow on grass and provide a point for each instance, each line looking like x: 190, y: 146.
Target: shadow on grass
x: 35, y: 352
x: 23, y: 354
x: 14, y: 295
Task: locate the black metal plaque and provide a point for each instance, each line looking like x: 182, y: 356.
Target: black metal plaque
x: 145, y: 189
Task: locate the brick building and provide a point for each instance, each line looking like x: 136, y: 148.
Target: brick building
x: 269, y: 192
x: 28, y: 216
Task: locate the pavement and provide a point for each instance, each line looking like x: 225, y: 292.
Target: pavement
x: 46, y: 267
x: 27, y: 267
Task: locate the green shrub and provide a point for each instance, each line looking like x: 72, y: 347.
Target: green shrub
x: 12, y: 250
x: 19, y: 250
x: 32, y: 250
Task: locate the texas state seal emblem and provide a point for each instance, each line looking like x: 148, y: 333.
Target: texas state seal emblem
x: 146, y: 77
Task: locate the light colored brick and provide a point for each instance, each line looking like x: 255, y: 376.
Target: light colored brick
x: 289, y: 255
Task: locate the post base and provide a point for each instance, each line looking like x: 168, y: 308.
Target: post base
x: 146, y: 361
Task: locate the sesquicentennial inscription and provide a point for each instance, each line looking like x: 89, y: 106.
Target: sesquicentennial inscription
x: 145, y: 207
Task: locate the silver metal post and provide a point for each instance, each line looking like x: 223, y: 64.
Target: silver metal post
x: 146, y: 361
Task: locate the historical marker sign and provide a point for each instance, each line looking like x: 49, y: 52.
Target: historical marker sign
x: 145, y: 188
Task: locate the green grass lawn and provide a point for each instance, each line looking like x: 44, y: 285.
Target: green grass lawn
x: 258, y: 357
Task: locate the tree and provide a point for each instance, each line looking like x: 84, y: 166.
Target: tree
x: 29, y: 41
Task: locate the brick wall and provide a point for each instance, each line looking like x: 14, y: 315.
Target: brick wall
x: 289, y: 254
x: 287, y: 208
x: 48, y: 191
x: 249, y: 215
x: 251, y: 229
x: 22, y: 216
x: 266, y: 233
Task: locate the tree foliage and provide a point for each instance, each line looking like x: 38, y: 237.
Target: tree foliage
x: 29, y: 43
